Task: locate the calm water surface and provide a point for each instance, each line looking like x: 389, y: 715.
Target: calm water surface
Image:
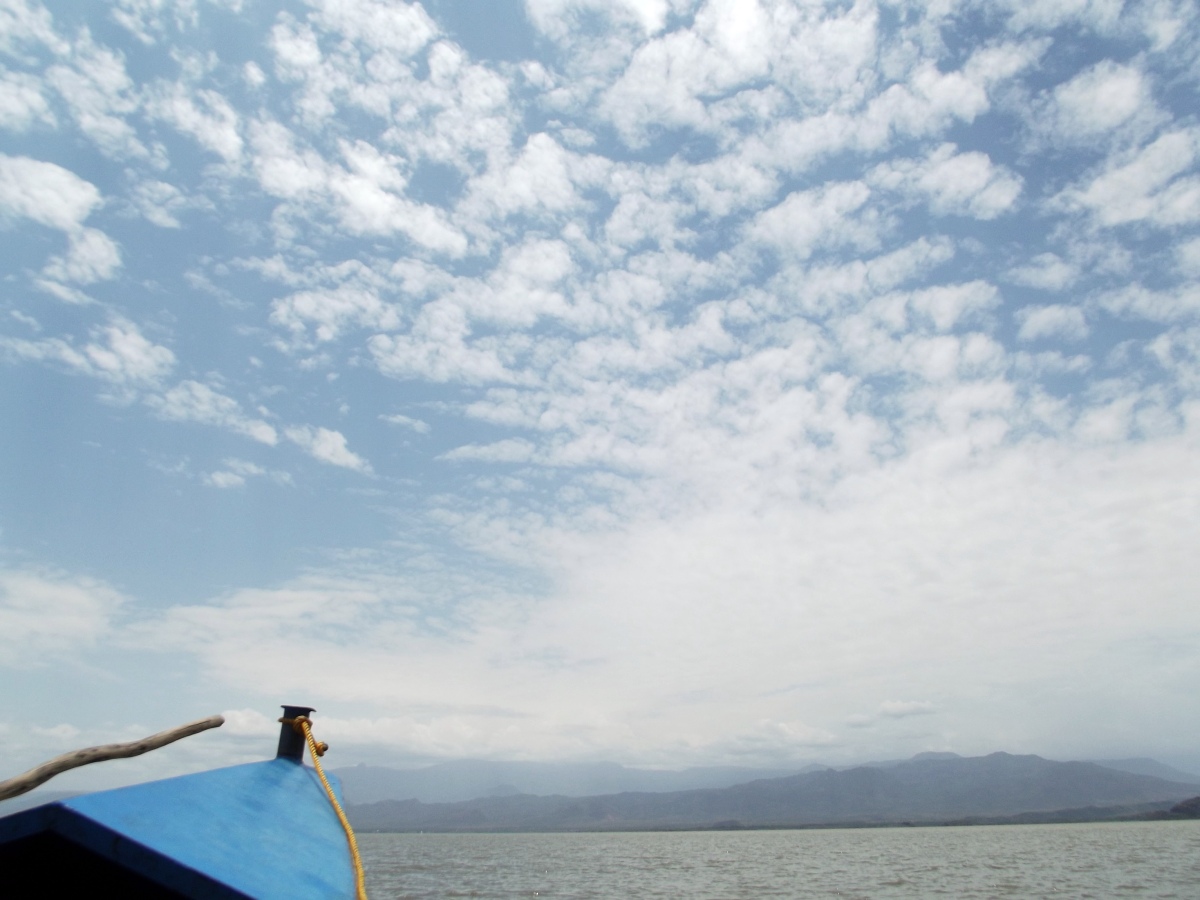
x: 1136, y: 859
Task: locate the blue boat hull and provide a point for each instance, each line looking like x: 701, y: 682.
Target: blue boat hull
x: 263, y: 830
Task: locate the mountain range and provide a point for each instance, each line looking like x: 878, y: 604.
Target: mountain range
x: 472, y: 794
x: 459, y: 780
x: 927, y: 789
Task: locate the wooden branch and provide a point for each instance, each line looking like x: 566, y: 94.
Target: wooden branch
x: 47, y: 770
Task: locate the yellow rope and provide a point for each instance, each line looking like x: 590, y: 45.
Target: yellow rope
x: 317, y: 750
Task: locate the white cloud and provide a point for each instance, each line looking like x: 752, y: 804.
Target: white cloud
x: 53, y: 196
x: 127, y: 356
x: 1098, y: 14
x: 63, y: 292
x: 45, y: 617
x: 527, y: 284
x: 639, y: 218
x: 202, y: 114
x: 101, y: 97
x: 29, y: 321
x: 148, y: 20
x: 191, y: 401
x: 670, y: 78
x: 1098, y: 100
x: 1048, y: 362
x: 235, y: 473
x: 437, y: 348
x: 91, y: 256
x: 924, y: 105
x: 542, y: 179
x: 892, y: 709
x: 1187, y: 254
x: 511, y: 450
x: 366, y: 196
x: 118, y: 353
x: 22, y: 102
x: 330, y: 312
x: 953, y: 183
x: 1163, y: 21
x: 823, y: 60
x: 1106, y: 423
x: 556, y: 18
x: 1053, y: 321
x: 254, y: 75
x: 459, y: 113
x: 224, y: 479
x: 160, y: 202
x: 706, y: 75
x: 1046, y: 271
x: 402, y: 28
x: 825, y: 288
x: 682, y: 637
x: 250, y: 722
x: 736, y: 419
x: 64, y: 732
x: 46, y: 193
x: 903, y: 709
x: 283, y: 170
x: 24, y: 23
x: 1143, y: 186
x: 1138, y: 301
x: 368, y: 201
x: 327, y: 446
x: 951, y: 305
x: 416, y: 425
x: 822, y: 217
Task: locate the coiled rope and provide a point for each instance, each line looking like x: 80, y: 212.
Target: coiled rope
x: 303, y: 725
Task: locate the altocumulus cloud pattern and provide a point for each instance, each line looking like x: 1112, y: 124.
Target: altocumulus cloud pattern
x: 658, y: 380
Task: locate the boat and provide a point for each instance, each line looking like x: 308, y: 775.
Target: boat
x: 266, y: 830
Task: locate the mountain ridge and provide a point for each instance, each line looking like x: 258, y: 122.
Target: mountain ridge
x: 919, y: 790
x: 460, y: 780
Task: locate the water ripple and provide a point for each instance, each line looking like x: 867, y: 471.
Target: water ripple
x: 1136, y: 859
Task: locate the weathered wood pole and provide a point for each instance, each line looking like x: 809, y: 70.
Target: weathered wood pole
x: 76, y: 758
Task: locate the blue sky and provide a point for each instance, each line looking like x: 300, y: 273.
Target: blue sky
x: 663, y: 381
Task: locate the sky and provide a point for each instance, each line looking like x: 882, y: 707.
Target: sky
x: 669, y: 382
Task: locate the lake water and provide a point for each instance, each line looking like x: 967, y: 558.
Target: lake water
x: 1135, y: 859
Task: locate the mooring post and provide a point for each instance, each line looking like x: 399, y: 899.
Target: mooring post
x: 291, y: 739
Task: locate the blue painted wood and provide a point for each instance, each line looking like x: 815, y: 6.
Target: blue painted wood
x: 263, y: 830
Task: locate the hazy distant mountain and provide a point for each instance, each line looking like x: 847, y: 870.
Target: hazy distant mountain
x: 920, y: 790
x: 1145, y: 766
x: 889, y: 763
x: 1187, y: 809
x: 471, y: 779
